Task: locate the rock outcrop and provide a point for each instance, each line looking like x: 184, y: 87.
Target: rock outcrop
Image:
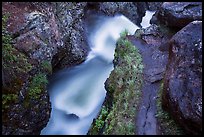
x: 149, y: 41
x: 132, y: 10
x: 153, y: 6
x: 178, y: 14
x: 41, y: 38
x: 182, y: 95
x: 34, y: 33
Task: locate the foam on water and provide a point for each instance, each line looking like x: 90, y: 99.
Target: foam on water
x: 77, y: 99
x: 146, y: 19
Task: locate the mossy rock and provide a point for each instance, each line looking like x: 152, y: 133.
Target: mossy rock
x: 124, y: 84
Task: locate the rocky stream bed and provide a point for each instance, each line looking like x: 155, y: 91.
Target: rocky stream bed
x: 162, y: 92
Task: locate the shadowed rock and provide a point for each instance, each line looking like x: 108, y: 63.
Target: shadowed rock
x: 182, y: 95
x: 178, y: 14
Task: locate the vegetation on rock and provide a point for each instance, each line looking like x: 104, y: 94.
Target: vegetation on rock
x: 14, y: 65
x: 167, y: 124
x: 124, y: 84
x: 37, y: 85
x: 22, y: 86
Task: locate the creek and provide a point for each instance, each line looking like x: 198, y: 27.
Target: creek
x: 77, y: 93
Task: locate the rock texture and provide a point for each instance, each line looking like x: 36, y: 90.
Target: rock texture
x: 70, y: 20
x: 46, y: 37
x: 132, y: 10
x: 182, y: 95
x: 40, y: 32
x: 178, y: 14
x: 153, y: 6
x: 148, y: 41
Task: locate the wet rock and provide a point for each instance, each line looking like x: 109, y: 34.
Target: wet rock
x: 155, y: 74
x: 155, y: 38
x: 153, y: 6
x: 39, y: 35
x: 39, y: 32
x: 28, y: 120
x: 182, y: 95
x: 178, y: 14
x: 132, y: 10
x: 74, y: 47
x: 155, y: 35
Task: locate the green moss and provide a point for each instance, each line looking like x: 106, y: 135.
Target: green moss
x: 13, y: 61
x: 7, y: 99
x: 37, y: 85
x: 125, y: 86
x: 124, y: 34
x: 15, y: 65
x: 167, y: 124
x: 99, y: 122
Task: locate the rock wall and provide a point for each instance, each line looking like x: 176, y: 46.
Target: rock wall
x: 40, y: 38
x: 34, y: 36
x: 178, y: 14
x: 182, y: 95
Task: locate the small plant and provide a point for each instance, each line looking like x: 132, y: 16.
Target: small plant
x: 100, y: 121
x: 124, y: 33
x: 125, y: 87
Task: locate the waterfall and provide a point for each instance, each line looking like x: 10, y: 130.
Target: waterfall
x: 77, y: 98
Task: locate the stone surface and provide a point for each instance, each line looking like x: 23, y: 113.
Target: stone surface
x: 178, y: 14
x: 155, y: 35
x: 152, y: 43
x: 153, y: 6
x: 132, y: 10
x: 154, y: 62
x: 52, y: 32
x: 182, y: 95
x: 39, y: 35
x: 41, y: 32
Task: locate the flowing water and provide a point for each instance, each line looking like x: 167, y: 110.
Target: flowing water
x: 77, y: 96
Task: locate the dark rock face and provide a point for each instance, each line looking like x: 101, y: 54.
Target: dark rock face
x: 29, y: 120
x: 52, y: 32
x: 70, y: 19
x: 153, y: 6
x: 178, y: 14
x: 154, y: 37
x: 182, y: 95
x: 40, y: 31
x: 132, y: 10
x: 32, y: 41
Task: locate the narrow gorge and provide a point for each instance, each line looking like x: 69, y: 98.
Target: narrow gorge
x: 101, y: 68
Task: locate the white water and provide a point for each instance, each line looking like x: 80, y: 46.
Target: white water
x: 77, y: 98
x: 146, y: 19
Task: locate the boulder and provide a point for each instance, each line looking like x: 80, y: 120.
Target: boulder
x: 154, y: 35
x: 182, y: 92
x: 178, y: 14
x: 70, y: 20
x: 39, y: 31
x: 132, y: 10
x: 155, y: 38
x: 153, y: 6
